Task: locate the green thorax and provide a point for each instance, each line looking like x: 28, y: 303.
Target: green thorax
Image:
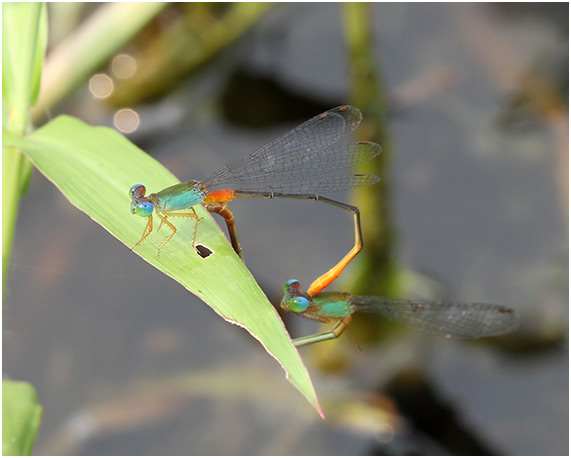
x: 180, y: 196
x: 331, y: 305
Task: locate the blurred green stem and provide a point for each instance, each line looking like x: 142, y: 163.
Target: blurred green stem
x: 24, y: 37
x: 378, y: 274
x: 97, y: 39
x: 192, y: 38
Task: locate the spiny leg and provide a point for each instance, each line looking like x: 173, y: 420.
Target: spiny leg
x: 163, y: 215
x: 146, y: 232
x: 195, y: 232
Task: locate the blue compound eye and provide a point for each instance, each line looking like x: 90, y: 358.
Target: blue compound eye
x: 138, y: 189
x: 290, y: 283
x: 143, y: 208
x: 299, y: 304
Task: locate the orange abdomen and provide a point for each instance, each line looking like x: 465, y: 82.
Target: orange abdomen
x: 224, y: 195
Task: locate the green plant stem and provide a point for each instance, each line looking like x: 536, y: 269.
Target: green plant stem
x: 203, y: 31
x: 24, y: 36
x: 377, y: 272
x: 82, y: 53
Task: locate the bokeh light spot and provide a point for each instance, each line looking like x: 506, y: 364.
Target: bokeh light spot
x: 101, y: 85
x: 126, y: 120
x: 124, y: 66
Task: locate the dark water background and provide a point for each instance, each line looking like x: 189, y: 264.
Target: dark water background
x: 125, y: 361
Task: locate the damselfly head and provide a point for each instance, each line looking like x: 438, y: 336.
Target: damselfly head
x: 140, y: 205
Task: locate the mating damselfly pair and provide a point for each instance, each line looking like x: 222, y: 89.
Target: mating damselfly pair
x: 305, y: 163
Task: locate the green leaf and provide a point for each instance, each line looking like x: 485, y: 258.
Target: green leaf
x: 94, y: 167
x: 21, y: 415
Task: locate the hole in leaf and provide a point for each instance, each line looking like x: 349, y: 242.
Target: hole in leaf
x: 203, y: 251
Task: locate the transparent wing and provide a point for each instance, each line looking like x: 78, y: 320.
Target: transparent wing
x: 310, y: 159
x: 451, y: 319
